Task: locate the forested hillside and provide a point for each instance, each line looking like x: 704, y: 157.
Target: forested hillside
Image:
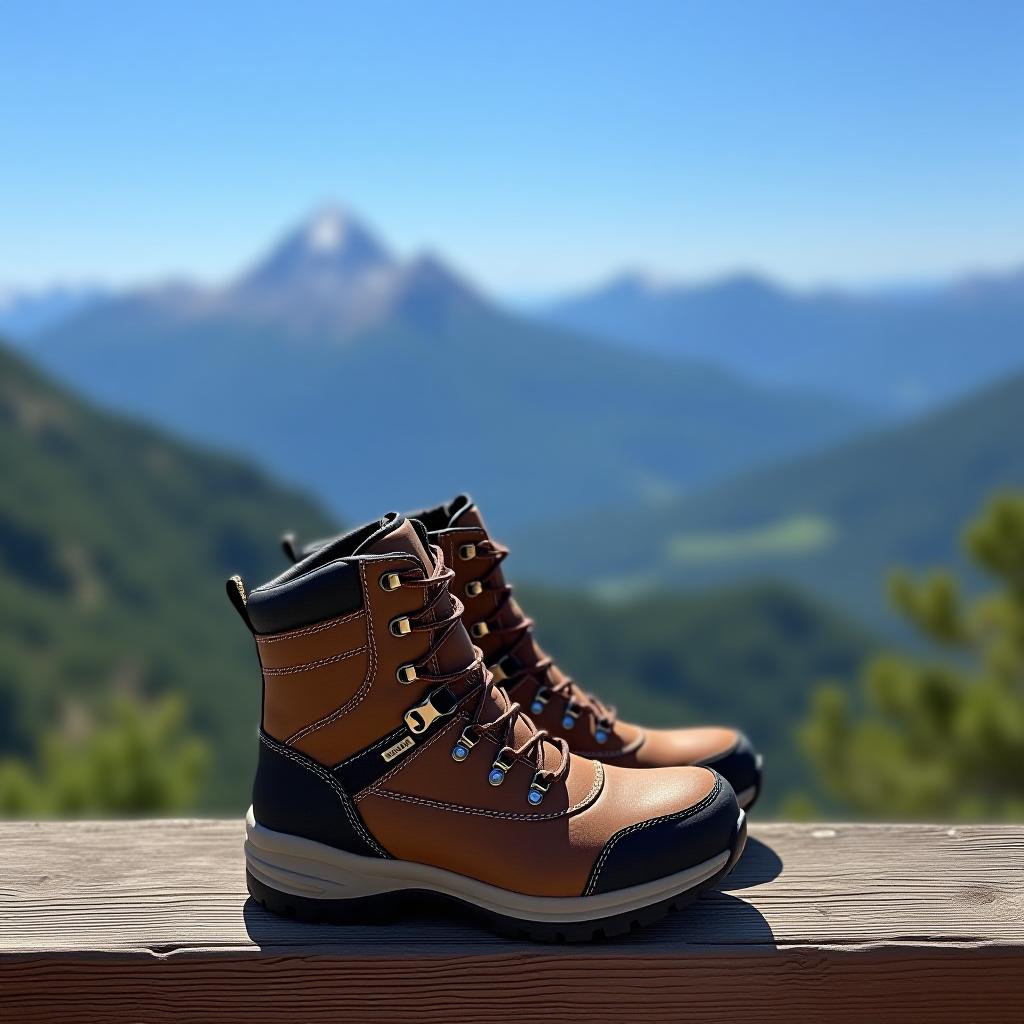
x: 115, y: 542
x: 749, y: 656
x: 833, y: 523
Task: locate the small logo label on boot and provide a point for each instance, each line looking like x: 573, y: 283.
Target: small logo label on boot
x: 399, y: 748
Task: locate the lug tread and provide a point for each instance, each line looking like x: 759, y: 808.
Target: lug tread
x: 388, y: 908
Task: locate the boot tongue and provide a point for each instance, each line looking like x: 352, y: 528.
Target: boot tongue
x: 462, y: 512
x: 398, y: 535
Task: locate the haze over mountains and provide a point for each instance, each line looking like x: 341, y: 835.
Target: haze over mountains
x: 26, y: 312
x: 378, y: 382
x: 903, y: 350
x: 833, y: 522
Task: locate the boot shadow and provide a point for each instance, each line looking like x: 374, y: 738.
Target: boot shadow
x: 758, y: 865
x: 717, y: 918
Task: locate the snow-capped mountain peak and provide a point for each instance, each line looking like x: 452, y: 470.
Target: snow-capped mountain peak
x: 329, y: 249
x: 326, y: 230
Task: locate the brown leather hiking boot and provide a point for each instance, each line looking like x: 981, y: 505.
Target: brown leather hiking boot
x: 391, y: 766
x: 551, y: 698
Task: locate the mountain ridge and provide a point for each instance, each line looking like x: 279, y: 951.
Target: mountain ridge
x: 27, y: 312
x: 905, y: 349
x: 513, y: 408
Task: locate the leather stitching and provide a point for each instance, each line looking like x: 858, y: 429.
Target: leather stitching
x: 309, y: 630
x: 365, y: 751
x: 321, y: 773
x: 611, y: 844
x: 308, y: 666
x: 412, y: 757
x: 608, y: 755
x: 371, y: 670
x: 405, y: 762
x: 504, y: 815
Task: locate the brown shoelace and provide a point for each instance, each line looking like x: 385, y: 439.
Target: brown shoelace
x: 502, y: 727
x: 576, y: 699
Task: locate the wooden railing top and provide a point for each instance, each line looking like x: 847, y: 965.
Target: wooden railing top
x: 922, y: 918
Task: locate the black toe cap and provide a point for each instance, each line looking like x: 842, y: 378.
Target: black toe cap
x: 740, y: 767
x: 662, y: 846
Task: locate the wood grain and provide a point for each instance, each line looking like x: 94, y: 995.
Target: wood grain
x: 149, y: 921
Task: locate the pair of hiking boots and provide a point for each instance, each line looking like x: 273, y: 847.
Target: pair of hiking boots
x: 416, y: 743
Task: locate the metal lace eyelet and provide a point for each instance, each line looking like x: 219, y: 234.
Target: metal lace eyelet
x: 479, y: 629
x: 467, y: 552
x: 540, y: 699
x: 401, y: 626
x: 569, y: 718
x: 499, y: 769
x: 538, y: 788
x: 463, y: 746
x: 390, y: 581
x: 474, y: 588
x: 406, y: 674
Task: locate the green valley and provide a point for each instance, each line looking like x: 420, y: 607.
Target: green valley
x: 832, y: 523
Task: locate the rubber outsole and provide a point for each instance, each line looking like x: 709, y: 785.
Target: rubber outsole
x: 748, y: 797
x: 382, y: 908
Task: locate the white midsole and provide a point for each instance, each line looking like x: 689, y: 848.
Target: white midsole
x: 314, y: 870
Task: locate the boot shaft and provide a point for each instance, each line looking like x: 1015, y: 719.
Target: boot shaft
x: 365, y: 660
x: 343, y: 640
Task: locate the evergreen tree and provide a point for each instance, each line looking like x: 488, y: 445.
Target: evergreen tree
x: 941, y: 736
x: 139, y: 760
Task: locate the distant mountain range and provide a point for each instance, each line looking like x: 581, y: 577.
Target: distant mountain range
x: 832, y: 523
x: 26, y: 313
x: 901, y: 349
x: 379, y: 382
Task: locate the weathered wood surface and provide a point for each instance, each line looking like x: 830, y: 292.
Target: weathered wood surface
x: 149, y: 921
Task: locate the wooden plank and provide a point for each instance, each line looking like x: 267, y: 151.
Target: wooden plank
x: 149, y: 921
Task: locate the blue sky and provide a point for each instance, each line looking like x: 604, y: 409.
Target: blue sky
x: 538, y: 146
